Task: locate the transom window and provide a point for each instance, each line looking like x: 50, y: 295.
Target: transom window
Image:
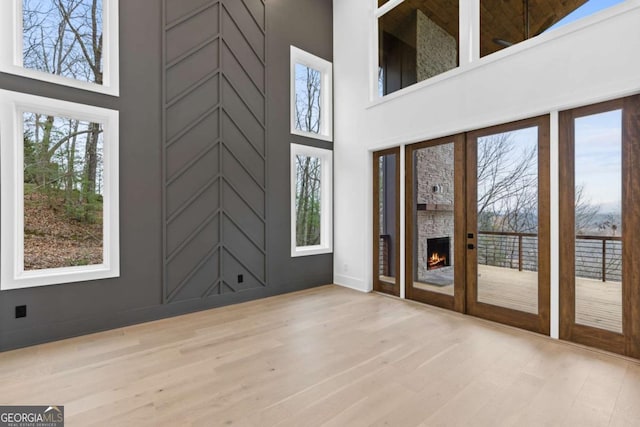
x: 69, y: 42
x: 311, y: 96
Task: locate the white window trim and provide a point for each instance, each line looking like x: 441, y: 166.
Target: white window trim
x: 11, y: 49
x: 299, y: 56
x: 12, y: 273
x: 326, y: 200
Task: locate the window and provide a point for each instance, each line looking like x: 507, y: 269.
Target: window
x: 503, y: 24
x: 417, y: 40
x: 68, y: 42
x: 311, y: 96
x: 311, y: 206
x: 60, y: 191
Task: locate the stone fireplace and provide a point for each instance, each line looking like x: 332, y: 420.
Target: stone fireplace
x: 434, y: 176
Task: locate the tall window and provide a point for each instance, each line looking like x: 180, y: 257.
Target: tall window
x: 60, y: 191
x: 69, y: 42
x: 311, y: 96
x: 311, y: 194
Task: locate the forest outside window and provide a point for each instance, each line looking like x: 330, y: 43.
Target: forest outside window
x: 60, y: 191
x: 311, y: 96
x: 68, y: 42
x: 311, y: 196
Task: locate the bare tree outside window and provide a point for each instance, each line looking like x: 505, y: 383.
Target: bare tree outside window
x: 308, y: 198
x: 64, y: 38
x: 308, y: 89
x: 508, y: 181
x: 63, y: 204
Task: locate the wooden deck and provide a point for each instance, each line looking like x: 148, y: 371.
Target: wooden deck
x: 598, y: 304
x: 327, y: 357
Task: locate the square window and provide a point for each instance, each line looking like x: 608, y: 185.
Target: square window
x: 68, y: 42
x: 311, y: 96
x: 60, y: 191
x: 311, y: 195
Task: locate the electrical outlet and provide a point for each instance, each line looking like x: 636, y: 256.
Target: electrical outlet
x: 240, y: 278
x: 21, y: 311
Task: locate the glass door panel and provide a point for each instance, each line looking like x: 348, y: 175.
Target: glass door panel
x: 434, y: 257
x: 598, y: 220
x: 507, y: 212
x: 435, y: 222
x: 386, y: 219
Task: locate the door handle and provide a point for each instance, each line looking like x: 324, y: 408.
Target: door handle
x: 470, y: 246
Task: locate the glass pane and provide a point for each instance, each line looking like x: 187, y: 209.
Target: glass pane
x: 504, y: 23
x: 434, y: 218
x: 508, y: 220
x: 598, y: 218
x: 308, y: 184
x: 418, y: 39
x: 308, y: 93
x: 388, y: 240
x: 64, y: 38
x: 63, y: 188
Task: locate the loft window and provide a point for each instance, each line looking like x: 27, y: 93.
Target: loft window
x: 59, y: 165
x: 311, y: 195
x: 417, y: 40
x: 503, y: 24
x: 311, y: 96
x: 68, y: 42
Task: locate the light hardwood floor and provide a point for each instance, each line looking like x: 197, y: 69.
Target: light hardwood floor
x: 328, y: 356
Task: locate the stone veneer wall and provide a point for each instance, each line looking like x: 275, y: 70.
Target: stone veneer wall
x: 437, y: 50
x: 434, y: 167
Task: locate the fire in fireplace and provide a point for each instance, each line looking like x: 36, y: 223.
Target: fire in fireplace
x: 438, y: 251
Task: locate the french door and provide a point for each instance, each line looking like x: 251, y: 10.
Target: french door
x: 477, y: 223
x: 599, y: 220
x: 508, y: 224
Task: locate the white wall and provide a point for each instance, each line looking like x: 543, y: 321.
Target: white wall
x: 591, y: 60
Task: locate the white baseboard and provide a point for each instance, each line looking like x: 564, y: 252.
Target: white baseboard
x: 351, y: 283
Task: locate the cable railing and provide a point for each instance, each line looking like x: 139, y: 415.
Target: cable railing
x: 597, y: 257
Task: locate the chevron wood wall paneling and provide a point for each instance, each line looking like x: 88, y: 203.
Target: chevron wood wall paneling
x: 214, y: 147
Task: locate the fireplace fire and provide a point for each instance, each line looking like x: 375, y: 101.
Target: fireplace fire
x: 438, y: 253
x: 436, y: 261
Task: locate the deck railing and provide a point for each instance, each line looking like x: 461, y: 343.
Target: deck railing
x: 597, y: 257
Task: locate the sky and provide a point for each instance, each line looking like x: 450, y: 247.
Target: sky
x: 598, y: 152
x: 589, y: 8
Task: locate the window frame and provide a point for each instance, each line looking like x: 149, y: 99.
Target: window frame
x: 12, y: 272
x: 299, y: 56
x: 11, y: 44
x: 326, y: 200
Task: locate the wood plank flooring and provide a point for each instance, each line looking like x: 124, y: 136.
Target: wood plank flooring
x: 328, y: 356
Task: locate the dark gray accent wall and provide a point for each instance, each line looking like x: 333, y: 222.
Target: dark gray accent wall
x: 204, y: 166
x: 214, y: 148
